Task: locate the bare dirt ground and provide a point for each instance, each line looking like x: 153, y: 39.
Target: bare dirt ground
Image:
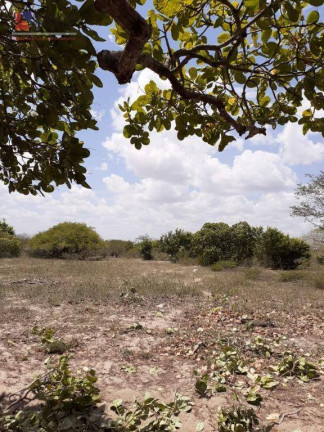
x: 146, y: 326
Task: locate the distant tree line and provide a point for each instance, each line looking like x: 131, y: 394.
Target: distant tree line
x: 239, y: 243
x: 215, y: 243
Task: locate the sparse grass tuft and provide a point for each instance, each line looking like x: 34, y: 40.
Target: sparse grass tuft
x: 291, y: 276
x: 318, y: 282
x: 252, y: 273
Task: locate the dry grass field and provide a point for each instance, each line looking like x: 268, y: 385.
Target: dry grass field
x: 147, y: 326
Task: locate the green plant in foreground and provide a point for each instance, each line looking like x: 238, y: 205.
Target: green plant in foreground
x: 151, y: 415
x: 51, y: 344
x: 240, y: 419
x: 259, y: 346
x: 66, y: 401
x: 297, y: 366
x: 209, y: 384
x: 230, y: 360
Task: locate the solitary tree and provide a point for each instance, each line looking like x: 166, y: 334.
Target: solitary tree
x: 311, y: 201
x: 231, y: 67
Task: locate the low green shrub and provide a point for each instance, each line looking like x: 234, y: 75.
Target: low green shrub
x: 224, y: 265
x: 240, y: 419
x: 291, y: 365
x: 51, y: 344
x: 228, y: 264
x: 67, y: 239
x: 217, y: 267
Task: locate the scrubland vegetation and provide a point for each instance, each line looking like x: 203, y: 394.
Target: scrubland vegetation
x: 215, y: 243
x: 218, y: 337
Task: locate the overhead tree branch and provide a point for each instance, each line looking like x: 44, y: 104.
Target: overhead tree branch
x: 109, y: 60
x: 139, y: 32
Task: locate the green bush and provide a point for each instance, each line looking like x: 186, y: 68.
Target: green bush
x: 67, y: 239
x: 278, y: 251
x: 145, y: 247
x: 214, y: 242
x: 221, y: 242
x: 175, y: 243
x: 10, y: 245
x: 244, y: 237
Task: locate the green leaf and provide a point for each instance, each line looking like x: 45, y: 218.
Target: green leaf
x: 223, y: 37
x: 193, y: 73
x: 93, y: 34
x: 225, y: 140
x: 252, y: 4
x: 293, y: 14
x: 169, y: 8
x: 91, y: 16
x: 271, y: 48
x: 96, y: 80
x: 265, y: 101
x: 313, y: 17
x: 307, y: 113
x: 201, y: 387
x: 316, y: 2
x: 239, y: 77
x: 266, y: 35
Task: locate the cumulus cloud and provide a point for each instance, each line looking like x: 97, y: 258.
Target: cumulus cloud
x: 97, y: 115
x: 103, y: 166
x: 299, y: 149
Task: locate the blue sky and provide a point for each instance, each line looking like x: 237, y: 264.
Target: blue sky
x: 172, y: 184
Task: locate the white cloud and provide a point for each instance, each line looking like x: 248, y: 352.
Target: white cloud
x: 299, y: 149
x: 103, y: 166
x: 97, y: 115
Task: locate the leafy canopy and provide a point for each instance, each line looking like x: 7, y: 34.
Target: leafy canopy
x: 46, y: 95
x: 231, y: 68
